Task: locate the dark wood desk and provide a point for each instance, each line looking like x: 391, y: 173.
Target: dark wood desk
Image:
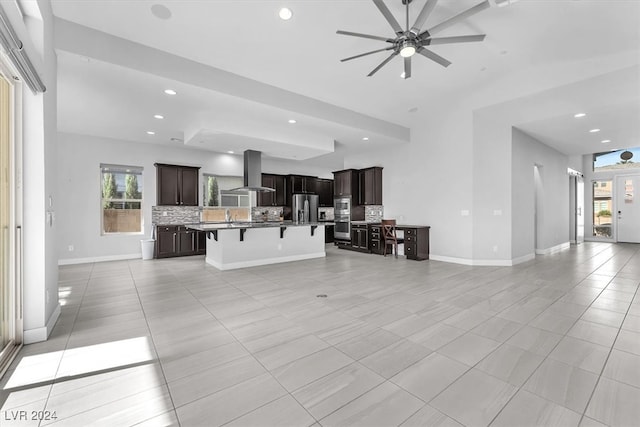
x: 416, y: 240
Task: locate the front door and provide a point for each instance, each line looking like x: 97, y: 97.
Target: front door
x: 628, y: 208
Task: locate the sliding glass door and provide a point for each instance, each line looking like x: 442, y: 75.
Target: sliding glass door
x: 9, y: 234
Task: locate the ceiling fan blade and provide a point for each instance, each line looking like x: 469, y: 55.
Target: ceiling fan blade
x: 365, y: 36
x: 407, y: 67
x: 365, y: 54
x: 457, y: 18
x: 454, y: 39
x: 422, y: 17
x: 375, y: 70
x: 434, y: 57
x: 388, y: 16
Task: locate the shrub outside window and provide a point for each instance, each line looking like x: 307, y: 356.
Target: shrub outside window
x: 121, y: 201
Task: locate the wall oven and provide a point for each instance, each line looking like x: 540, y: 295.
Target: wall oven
x: 342, y: 218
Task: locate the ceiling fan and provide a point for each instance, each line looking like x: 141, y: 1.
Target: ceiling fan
x: 413, y: 39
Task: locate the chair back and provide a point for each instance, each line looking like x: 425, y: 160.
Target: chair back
x: 389, y: 229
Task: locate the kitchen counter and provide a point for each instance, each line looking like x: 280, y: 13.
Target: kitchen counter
x: 246, y: 244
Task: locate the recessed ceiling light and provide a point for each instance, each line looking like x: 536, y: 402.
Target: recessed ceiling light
x: 230, y: 152
x: 170, y: 92
x: 158, y: 116
x: 285, y: 13
x: 150, y: 132
x: 292, y: 121
x: 578, y: 115
x: 366, y: 138
x: 594, y: 130
x: 604, y: 141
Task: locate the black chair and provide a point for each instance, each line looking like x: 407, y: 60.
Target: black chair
x: 389, y: 235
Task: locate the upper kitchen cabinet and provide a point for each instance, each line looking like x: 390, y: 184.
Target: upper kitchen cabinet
x: 176, y: 185
x: 275, y: 198
x: 345, y: 183
x: 302, y: 184
x: 324, y: 189
x: 371, y: 186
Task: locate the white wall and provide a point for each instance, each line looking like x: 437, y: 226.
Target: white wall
x: 40, y: 286
x: 428, y: 181
x: 553, y: 196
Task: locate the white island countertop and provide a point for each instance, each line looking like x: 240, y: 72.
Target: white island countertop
x: 261, y: 243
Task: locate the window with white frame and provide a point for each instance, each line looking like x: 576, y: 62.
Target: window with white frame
x: 121, y: 201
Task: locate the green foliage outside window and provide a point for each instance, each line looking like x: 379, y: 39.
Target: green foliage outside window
x: 108, y: 190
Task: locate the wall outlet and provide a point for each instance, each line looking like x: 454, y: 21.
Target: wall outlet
x: 495, y: 249
x: 46, y: 296
x: 71, y: 248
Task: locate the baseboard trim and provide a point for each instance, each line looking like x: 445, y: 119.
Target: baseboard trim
x: 553, y: 249
x: 31, y: 336
x: 267, y: 261
x: 483, y: 262
x: 72, y: 261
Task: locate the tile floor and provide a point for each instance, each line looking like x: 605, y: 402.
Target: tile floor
x: 553, y: 342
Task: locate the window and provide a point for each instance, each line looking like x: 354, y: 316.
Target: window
x: 121, y: 202
x: 602, y: 205
x: 217, y: 191
x: 627, y: 158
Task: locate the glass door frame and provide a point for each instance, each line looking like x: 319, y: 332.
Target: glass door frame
x: 13, y: 307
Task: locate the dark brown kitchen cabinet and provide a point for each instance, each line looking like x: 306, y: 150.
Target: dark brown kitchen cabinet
x: 416, y: 242
x: 273, y: 198
x: 376, y: 243
x: 370, y: 191
x: 346, y: 183
x: 177, y: 240
x: 360, y: 237
x: 176, y: 185
x: 302, y: 184
x: 324, y: 189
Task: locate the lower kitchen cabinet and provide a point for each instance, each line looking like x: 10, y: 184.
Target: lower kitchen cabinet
x: 360, y: 237
x: 177, y: 240
x: 416, y: 242
x: 376, y: 244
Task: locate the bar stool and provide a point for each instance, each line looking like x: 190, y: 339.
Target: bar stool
x: 389, y: 235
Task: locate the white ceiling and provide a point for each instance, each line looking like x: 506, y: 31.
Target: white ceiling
x: 241, y: 72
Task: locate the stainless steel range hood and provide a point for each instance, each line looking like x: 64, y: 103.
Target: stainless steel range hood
x: 253, y: 172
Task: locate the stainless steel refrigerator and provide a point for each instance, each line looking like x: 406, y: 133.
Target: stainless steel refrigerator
x: 304, y: 208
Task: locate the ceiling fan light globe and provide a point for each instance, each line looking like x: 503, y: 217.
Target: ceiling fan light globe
x: 407, y: 51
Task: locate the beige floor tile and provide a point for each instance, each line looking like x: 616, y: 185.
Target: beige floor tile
x: 553, y: 322
x: 497, y: 329
x: 628, y: 341
x: 308, y: 369
x: 623, y: 367
x: 590, y: 422
x: 631, y: 323
x: 527, y: 409
x: 333, y: 391
x: 367, y: 343
x: 535, y: 340
x: 385, y: 405
x: 408, y: 325
x: 511, y: 364
x: 611, y: 304
x: 581, y: 354
x: 436, y: 336
x: 474, y: 399
x: 179, y: 367
x: 428, y: 377
x: 604, y: 317
x: 594, y: 332
x: 615, y: 403
x: 209, y: 381
x: 469, y: 348
x: 280, y: 355
x: 394, y: 358
x: 220, y: 408
x: 282, y: 412
x: 466, y: 319
x: 428, y: 416
x: 563, y: 384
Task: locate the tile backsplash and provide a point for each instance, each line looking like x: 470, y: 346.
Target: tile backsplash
x: 175, y: 214
x: 373, y: 213
x: 259, y: 213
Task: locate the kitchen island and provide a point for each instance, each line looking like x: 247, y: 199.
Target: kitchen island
x: 236, y: 245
